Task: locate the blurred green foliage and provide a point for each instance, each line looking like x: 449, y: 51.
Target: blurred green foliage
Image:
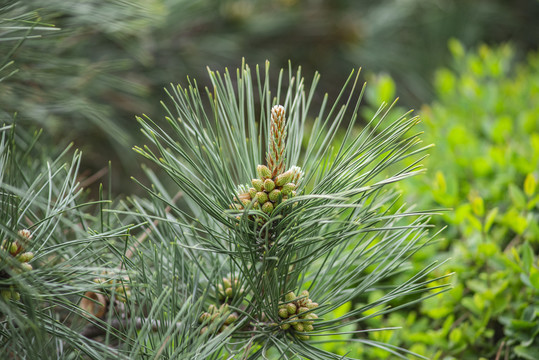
x: 485, y: 169
x: 110, y: 60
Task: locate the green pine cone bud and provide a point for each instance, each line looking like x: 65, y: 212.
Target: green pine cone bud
x: 308, y: 327
x: 263, y: 172
x: 205, y: 316
x: 302, y: 310
x: 14, y: 248
x: 285, y: 326
x: 312, y: 305
x: 267, y: 207
x: 223, y: 328
x: 291, y: 308
x: 203, y: 330
x: 274, y: 195
x: 252, y: 192
x: 284, y: 178
x: 6, y: 294
x: 26, y: 267
x: 226, y: 282
x: 231, y: 318
x: 290, y: 296
x: 288, y: 188
x: 262, y: 197
x: 298, y: 326
x: 229, y: 293
x: 283, y: 313
x: 26, y: 257
x: 310, y: 316
x: 269, y: 185
x: 257, y: 184
x: 293, y: 194
x: 303, y: 337
x: 25, y: 233
x: 212, y: 309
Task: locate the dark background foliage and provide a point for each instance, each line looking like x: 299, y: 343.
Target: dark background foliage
x: 108, y: 61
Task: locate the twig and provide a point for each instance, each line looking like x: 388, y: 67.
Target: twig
x: 499, y: 352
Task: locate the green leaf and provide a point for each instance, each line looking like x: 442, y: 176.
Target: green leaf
x: 489, y: 220
x: 534, y: 277
x: 529, y: 185
x: 517, y: 196
x: 529, y: 353
x: 527, y: 256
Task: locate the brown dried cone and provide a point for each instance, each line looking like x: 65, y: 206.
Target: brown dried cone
x: 95, y: 304
x: 277, y: 139
x: 298, y: 313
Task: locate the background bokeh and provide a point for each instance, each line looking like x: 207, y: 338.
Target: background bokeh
x: 108, y: 61
x: 470, y: 68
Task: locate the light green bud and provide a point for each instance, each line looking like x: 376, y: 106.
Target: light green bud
x: 267, y: 207
x: 212, y: 309
x: 298, y: 326
x: 291, y: 308
x: 283, y: 178
x: 312, y: 305
x: 26, y: 267
x: 203, y: 330
x: 223, y: 328
x: 283, y: 313
x: 308, y: 327
x: 6, y: 294
x: 303, y: 337
x: 274, y: 195
x: 263, y: 171
x: 293, y: 194
x: 13, y: 249
x: 303, y: 310
x: 269, y: 185
x: 262, y: 197
x: 310, y: 316
x: 226, y: 282
x: 285, y: 326
x: 229, y: 293
x: 205, y: 316
x: 290, y: 296
x: 252, y: 192
x: 231, y: 318
x: 288, y: 188
x: 26, y: 257
x: 258, y: 184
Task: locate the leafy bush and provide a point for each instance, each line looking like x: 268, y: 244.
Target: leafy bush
x: 484, y: 167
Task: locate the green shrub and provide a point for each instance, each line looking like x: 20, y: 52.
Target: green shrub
x: 484, y: 168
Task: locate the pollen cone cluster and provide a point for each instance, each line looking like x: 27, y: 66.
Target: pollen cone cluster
x: 229, y: 289
x: 16, y: 250
x: 273, y: 186
x: 213, y: 319
x: 297, y: 312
